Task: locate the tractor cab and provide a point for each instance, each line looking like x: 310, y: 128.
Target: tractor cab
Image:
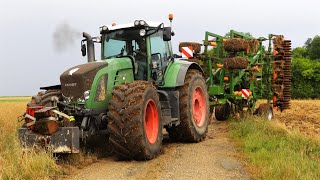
x: 147, y: 44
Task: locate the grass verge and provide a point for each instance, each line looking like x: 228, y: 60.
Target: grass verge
x: 273, y: 153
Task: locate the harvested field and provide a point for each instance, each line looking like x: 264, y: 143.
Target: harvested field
x: 304, y: 116
x: 217, y: 153
x: 15, y: 163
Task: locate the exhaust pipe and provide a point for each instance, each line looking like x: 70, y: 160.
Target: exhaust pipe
x: 90, y: 47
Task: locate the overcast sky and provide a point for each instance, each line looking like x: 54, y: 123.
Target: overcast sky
x: 29, y: 58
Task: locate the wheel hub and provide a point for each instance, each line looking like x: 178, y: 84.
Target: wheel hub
x: 151, y: 121
x: 198, y: 106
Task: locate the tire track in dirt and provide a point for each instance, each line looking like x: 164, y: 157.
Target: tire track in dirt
x: 214, y: 158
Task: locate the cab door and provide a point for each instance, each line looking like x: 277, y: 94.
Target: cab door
x: 161, y: 53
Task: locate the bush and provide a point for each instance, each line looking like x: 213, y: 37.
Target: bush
x: 305, y: 78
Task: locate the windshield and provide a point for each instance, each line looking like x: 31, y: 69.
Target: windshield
x: 121, y: 42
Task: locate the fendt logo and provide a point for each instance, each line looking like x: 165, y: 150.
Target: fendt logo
x: 70, y: 84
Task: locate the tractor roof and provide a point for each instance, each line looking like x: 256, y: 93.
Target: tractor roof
x: 129, y: 25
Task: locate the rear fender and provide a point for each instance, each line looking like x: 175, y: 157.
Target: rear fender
x: 176, y: 73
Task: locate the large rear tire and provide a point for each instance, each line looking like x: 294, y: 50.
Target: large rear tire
x: 194, y: 109
x: 135, y: 121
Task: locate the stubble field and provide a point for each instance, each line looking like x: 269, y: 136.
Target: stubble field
x: 303, y: 117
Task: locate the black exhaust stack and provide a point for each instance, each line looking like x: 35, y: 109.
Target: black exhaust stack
x: 90, y: 47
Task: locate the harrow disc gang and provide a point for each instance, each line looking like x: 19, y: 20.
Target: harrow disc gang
x: 281, y: 81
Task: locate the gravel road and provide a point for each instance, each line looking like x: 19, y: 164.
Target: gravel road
x: 214, y: 158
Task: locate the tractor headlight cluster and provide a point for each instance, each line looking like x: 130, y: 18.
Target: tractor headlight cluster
x: 86, y: 95
x: 140, y: 23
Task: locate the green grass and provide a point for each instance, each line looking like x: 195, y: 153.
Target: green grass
x: 273, y: 153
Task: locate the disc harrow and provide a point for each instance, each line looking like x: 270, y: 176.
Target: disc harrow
x: 281, y: 83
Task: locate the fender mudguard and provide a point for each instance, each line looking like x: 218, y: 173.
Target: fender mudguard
x: 176, y: 73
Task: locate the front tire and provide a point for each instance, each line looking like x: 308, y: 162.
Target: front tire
x: 135, y: 121
x: 194, y: 109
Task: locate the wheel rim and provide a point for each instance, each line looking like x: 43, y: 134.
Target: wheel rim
x: 198, y: 106
x: 151, y: 121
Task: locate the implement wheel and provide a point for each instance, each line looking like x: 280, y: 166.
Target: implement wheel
x: 265, y: 111
x: 222, y: 112
x: 135, y: 121
x: 194, y: 109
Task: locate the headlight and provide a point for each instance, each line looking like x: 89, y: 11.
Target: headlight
x: 86, y: 95
x: 136, y: 22
x: 142, y: 32
x: 142, y: 22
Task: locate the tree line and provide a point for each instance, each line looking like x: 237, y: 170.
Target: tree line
x: 306, y: 70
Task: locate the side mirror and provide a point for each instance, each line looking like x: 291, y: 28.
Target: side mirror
x: 83, y: 50
x: 167, y: 34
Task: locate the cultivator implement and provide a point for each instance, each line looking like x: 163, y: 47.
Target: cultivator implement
x: 242, y: 71
x: 281, y: 82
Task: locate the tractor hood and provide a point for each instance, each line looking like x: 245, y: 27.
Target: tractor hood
x: 78, y: 79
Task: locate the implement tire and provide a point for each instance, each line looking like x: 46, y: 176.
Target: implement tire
x: 264, y: 110
x: 222, y: 112
x: 49, y: 96
x: 135, y: 124
x: 46, y: 98
x: 194, y: 109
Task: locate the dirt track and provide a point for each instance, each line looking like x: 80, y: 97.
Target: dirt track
x: 214, y: 158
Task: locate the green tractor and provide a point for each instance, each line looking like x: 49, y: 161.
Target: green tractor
x: 137, y: 89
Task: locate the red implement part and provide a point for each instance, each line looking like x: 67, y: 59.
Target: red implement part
x: 30, y: 111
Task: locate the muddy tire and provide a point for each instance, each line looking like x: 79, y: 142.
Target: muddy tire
x: 222, y: 112
x: 45, y: 98
x: 49, y: 96
x: 265, y: 111
x: 135, y: 124
x: 194, y: 109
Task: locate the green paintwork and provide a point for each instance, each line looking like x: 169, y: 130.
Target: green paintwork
x: 216, y: 90
x: 119, y: 71
x: 172, y: 73
x: 216, y: 83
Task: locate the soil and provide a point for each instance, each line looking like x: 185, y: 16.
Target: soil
x: 303, y: 116
x: 214, y: 158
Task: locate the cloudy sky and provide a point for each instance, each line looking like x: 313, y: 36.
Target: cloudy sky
x: 30, y: 57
